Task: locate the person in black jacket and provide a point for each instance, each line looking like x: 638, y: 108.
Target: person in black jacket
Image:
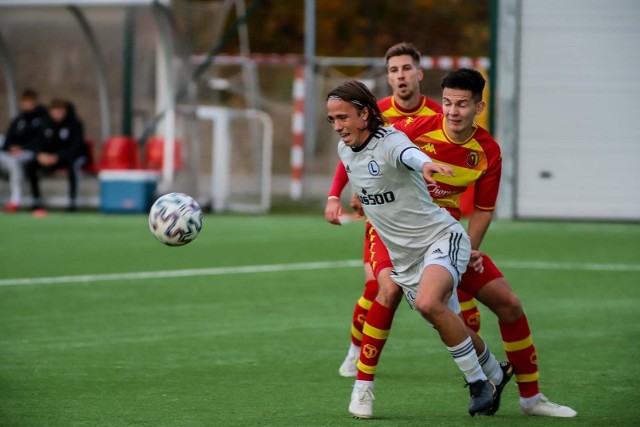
x: 63, y: 147
x: 23, y: 139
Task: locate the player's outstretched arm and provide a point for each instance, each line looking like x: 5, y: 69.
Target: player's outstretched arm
x: 417, y: 160
x: 428, y: 169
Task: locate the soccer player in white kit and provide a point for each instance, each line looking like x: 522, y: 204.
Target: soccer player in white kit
x: 429, y: 249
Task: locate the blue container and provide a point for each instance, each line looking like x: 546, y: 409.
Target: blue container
x: 127, y: 191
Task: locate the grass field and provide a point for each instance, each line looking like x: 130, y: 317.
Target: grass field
x: 101, y: 325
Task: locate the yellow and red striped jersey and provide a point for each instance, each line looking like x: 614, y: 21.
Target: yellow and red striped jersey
x: 478, y: 159
x: 393, y: 112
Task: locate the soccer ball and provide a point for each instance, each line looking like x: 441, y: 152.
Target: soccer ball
x: 175, y: 219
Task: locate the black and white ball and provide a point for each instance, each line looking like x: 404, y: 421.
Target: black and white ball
x: 175, y: 219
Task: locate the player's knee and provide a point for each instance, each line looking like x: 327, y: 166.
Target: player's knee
x: 431, y: 309
x: 389, y: 296
x: 389, y: 293
x: 510, y: 309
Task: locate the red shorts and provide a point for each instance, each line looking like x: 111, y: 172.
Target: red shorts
x: 472, y: 281
x: 375, y: 253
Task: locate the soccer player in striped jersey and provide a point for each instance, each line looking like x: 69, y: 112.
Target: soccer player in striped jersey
x: 404, y: 76
x: 429, y: 249
x: 455, y: 140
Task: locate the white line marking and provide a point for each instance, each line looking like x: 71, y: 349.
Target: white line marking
x: 215, y: 271
x: 539, y: 265
x: 272, y: 268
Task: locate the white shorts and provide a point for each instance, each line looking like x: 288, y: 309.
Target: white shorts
x: 452, y: 251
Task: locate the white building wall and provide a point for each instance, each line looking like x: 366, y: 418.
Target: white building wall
x: 578, y: 146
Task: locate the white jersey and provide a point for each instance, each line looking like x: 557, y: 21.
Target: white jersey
x: 395, y: 197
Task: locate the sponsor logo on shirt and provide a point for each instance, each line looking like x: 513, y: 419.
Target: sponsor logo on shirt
x: 376, y: 199
x: 428, y: 148
x: 437, y: 192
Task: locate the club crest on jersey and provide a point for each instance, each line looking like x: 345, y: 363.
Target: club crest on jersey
x: 374, y: 168
x: 348, y: 169
x: 472, y: 159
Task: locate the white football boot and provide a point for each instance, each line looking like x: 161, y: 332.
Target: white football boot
x: 545, y: 408
x: 362, y: 398
x: 349, y: 367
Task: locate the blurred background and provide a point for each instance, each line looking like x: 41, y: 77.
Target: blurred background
x: 239, y: 85
x: 101, y: 324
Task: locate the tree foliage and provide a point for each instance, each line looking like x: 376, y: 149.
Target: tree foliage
x: 345, y: 28
x: 368, y: 28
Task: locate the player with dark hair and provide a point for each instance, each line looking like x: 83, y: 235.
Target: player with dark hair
x: 428, y: 247
x: 23, y: 139
x: 454, y: 139
x: 63, y: 147
x: 404, y: 76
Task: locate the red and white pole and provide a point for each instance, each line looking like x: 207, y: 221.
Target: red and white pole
x: 297, y: 129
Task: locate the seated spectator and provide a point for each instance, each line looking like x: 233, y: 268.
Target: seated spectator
x: 22, y: 141
x: 63, y: 147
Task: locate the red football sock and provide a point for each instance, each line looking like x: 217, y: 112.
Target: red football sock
x: 522, y: 355
x: 361, y: 309
x: 374, y: 336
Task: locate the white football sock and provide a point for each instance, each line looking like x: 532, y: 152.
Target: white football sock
x: 465, y: 357
x: 354, y: 350
x: 490, y: 366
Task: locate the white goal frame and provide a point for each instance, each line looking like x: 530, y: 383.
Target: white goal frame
x: 221, y: 157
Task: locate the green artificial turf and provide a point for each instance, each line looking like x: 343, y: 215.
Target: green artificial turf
x: 220, y: 347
